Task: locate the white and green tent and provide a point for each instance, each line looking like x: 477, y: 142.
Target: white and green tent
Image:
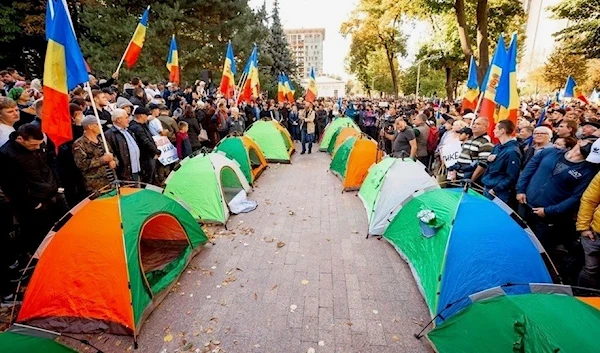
x: 207, y: 183
x: 389, y: 184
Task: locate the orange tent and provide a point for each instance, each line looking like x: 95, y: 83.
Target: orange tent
x: 344, y: 134
x: 107, y: 263
x: 352, y: 160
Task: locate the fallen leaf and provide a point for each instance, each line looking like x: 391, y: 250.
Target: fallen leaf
x: 395, y: 338
x: 118, y: 343
x: 168, y: 338
x: 188, y: 346
x: 322, y: 343
x: 255, y: 296
x: 354, y: 232
x: 304, y: 282
x: 274, y: 287
x: 291, y: 213
x: 348, y: 323
x: 280, y: 244
x: 215, y: 319
x: 209, y: 330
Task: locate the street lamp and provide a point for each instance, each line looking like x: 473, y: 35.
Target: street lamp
x: 433, y: 57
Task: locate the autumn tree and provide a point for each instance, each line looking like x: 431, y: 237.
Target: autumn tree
x: 562, y: 64
x: 582, y: 35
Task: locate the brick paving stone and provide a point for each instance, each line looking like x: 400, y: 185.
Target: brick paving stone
x: 349, y: 277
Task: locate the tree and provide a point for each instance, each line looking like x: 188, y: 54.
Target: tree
x: 277, y: 46
x: 582, y: 35
x: 562, y: 64
x: 431, y: 81
x: 379, y: 72
x: 373, y: 27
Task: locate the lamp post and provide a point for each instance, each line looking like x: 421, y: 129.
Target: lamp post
x: 433, y: 57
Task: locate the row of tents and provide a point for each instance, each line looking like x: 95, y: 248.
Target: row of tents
x: 486, y: 279
x: 111, y: 260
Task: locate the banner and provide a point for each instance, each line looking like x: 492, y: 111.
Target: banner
x: 450, y: 153
x: 168, y: 151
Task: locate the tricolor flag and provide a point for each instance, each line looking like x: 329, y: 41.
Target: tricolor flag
x: 251, y: 84
x: 507, y: 95
x: 281, y: 91
x: 290, y: 89
x: 311, y: 91
x: 595, y: 97
x: 134, y: 49
x: 227, y: 86
x: 472, y: 94
x: 573, y: 91
x: 64, y: 69
x: 173, y: 62
x: 491, y: 83
x: 50, y: 14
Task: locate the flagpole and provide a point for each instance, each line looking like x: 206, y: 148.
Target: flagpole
x: 89, y: 90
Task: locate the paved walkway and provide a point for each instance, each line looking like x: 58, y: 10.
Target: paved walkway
x: 297, y: 273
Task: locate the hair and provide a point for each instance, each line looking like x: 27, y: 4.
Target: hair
x: 79, y: 101
x: 30, y: 132
x: 570, y: 141
x: 544, y: 129
x: 182, y: 124
x: 449, y: 121
x: 189, y: 112
x: 135, y: 81
x: 74, y: 108
x: 138, y: 90
x: 96, y: 93
x: 507, y: 125
x: 459, y: 122
x: 78, y: 91
x: 4, y: 72
x: 528, y: 128
x: 108, y: 90
x: 6, y: 103
x: 117, y: 113
x: 571, y: 125
x: 234, y: 110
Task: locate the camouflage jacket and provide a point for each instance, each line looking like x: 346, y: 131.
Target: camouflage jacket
x: 88, y: 158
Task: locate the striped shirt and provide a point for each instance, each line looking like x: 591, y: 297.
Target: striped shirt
x: 475, y: 151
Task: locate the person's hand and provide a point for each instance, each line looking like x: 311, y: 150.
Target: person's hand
x: 491, y: 191
x: 539, y: 211
x: 108, y: 157
x: 491, y: 157
x: 115, y: 75
x: 522, y: 198
x: 112, y: 164
x: 589, y: 234
x: 38, y: 206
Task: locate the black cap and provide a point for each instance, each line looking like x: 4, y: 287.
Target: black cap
x: 153, y: 106
x: 592, y: 123
x: 466, y: 130
x: 163, y: 107
x: 140, y: 111
x: 560, y: 110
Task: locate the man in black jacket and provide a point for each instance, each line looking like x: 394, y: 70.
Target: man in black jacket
x: 149, y: 153
x: 123, y: 146
x: 30, y: 184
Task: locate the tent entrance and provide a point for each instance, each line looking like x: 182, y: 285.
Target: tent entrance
x: 288, y: 146
x: 254, y: 159
x: 230, y: 184
x: 163, y: 245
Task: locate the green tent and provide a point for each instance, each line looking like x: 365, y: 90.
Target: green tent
x: 12, y: 342
x: 352, y: 160
x: 525, y: 323
x: 332, y: 128
x: 246, y: 152
x: 207, y: 183
x: 273, y: 139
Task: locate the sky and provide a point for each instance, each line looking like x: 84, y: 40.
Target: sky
x: 330, y: 14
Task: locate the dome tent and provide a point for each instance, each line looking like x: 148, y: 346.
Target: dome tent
x: 207, y: 183
x: 352, y: 160
x: 22, y: 338
x: 135, y: 242
x: 389, y: 184
x: 332, y: 128
x: 273, y: 139
x: 477, y: 245
x: 341, y: 135
x: 246, y: 152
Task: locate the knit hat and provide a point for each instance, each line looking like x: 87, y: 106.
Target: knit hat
x: 122, y: 103
x: 15, y: 93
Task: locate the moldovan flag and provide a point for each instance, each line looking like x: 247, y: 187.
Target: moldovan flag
x: 472, y: 94
x: 227, y: 86
x: 251, y: 84
x: 134, y: 49
x: 290, y: 89
x: 507, y: 95
x: 64, y: 69
x: 572, y: 91
x: 281, y: 91
x: 173, y: 62
x: 491, y: 83
x: 311, y: 91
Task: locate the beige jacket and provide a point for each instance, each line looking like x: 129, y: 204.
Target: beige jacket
x: 308, y: 120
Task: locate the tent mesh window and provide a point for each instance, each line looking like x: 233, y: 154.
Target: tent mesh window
x: 254, y: 159
x: 230, y: 183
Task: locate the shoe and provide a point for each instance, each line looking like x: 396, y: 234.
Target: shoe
x: 302, y: 152
x: 309, y: 152
x: 9, y: 300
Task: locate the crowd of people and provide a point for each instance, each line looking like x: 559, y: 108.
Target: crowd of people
x: 546, y: 172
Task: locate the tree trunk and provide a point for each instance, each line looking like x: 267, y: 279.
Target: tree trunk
x: 390, y: 58
x: 483, y: 43
x: 449, y: 88
x: 463, y: 34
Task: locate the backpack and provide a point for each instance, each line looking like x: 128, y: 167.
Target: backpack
x: 433, y: 139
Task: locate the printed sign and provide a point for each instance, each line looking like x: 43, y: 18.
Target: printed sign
x: 168, y: 151
x: 450, y: 153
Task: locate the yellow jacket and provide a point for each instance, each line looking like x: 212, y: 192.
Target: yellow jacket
x: 588, y: 217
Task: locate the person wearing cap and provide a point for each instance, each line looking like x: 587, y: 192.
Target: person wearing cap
x: 123, y: 146
x: 503, y: 165
x: 124, y: 104
x: 468, y: 118
x: 550, y: 188
x: 588, y: 224
x: 557, y: 117
x: 93, y: 161
x: 588, y: 128
x: 149, y: 153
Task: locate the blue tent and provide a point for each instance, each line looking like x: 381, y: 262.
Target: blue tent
x: 474, y: 244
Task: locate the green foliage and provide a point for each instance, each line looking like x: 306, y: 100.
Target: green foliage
x: 277, y: 47
x: 431, y: 81
x: 582, y: 36
x: 561, y: 64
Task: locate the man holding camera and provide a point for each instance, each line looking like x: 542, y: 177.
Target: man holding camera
x: 404, y: 143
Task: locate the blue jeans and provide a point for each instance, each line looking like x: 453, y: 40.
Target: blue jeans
x: 588, y: 277
x: 307, y: 138
x: 295, y: 132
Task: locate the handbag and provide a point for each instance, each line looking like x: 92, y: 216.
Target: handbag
x: 203, y: 135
